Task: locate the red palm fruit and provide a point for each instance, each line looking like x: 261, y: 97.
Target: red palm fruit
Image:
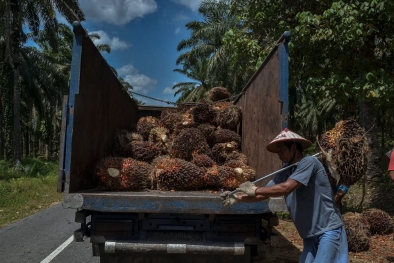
x: 228, y: 115
x: 204, y: 112
x: 225, y: 135
x: 143, y: 151
x: 220, y: 151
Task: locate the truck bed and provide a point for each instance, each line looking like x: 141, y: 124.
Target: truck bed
x: 156, y: 201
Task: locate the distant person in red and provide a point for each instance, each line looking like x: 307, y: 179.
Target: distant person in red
x: 390, y: 156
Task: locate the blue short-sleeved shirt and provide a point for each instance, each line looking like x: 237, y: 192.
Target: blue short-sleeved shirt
x: 311, y: 205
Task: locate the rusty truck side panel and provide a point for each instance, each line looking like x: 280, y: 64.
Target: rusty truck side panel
x: 98, y: 105
x: 264, y: 103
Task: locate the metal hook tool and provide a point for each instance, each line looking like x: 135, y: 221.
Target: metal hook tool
x: 271, y: 174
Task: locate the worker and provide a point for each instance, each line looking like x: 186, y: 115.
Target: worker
x: 308, y: 197
x: 389, y: 156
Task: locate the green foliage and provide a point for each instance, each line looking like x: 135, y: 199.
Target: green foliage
x: 26, y: 190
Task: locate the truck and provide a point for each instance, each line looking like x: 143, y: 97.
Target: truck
x: 164, y: 226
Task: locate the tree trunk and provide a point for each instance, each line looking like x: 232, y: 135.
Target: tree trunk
x: 17, y: 28
x: 368, y: 118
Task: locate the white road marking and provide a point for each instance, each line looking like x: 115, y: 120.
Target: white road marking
x: 58, y: 250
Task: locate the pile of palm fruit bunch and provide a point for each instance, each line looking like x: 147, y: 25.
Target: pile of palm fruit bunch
x: 192, y: 147
x: 357, y: 231
x: 361, y: 226
x: 345, y: 152
x: 380, y: 222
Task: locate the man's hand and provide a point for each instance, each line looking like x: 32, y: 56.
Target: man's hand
x: 248, y: 188
x: 228, y: 199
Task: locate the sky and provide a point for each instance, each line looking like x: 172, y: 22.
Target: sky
x: 143, y: 36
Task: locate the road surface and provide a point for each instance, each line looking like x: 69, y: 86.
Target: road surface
x: 44, y: 237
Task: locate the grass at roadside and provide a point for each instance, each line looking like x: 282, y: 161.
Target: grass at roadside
x: 28, y: 190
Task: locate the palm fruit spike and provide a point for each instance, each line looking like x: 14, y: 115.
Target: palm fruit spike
x: 136, y: 175
x: 169, y: 120
x: 345, y: 151
x: 143, y: 151
x: 122, y: 174
x: 178, y: 174
x: 228, y: 178
x: 357, y: 232
x: 218, y: 93
x: 123, y: 138
x: 159, y: 136
x: 380, y: 222
x: 211, y: 177
x: 228, y: 115
x: 208, y: 131
x: 237, y: 156
x: 220, y: 151
x: 245, y: 172
x: 204, y: 112
x: 190, y: 141
x: 145, y: 125
x: 225, y: 135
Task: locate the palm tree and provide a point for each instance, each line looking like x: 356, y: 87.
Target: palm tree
x: 193, y: 90
x: 34, y: 14
x: 205, y: 43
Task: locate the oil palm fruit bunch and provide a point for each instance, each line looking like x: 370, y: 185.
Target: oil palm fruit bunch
x: 204, y: 112
x: 345, y: 151
x: 122, y: 174
x: 380, y: 221
x: 228, y: 178
x: 145, y: 125
x: 220, y: 151
x: 178, y: 174
x: 228, y: 115
x: 203, y: 161
x: 244, y: 172
x: 169, y: 119
x: 208, y: 132
x: 211, y: 177
x: 123, y: 138
x: 225, y: 135
x: 237, y: 156
x: 357, y: 232
x: 189, y: 141
x: 143, y: 151
x: 218, y: 93
x: 159, y: 136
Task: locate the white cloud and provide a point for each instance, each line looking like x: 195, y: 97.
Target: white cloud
x: 115, y: 43
x: 118, y: 12
x: 127, y: 70
x: 191, y: 4
x: 169, y: 90
x: 140, y: 82
x: 181, y: 17
x: 177, y: 31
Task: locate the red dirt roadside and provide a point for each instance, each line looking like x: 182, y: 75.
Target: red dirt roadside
x: 286, y: 247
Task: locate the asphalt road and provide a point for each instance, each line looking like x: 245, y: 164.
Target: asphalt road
x: 35, y: 238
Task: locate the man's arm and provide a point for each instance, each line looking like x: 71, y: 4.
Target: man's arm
x: 279, y: 189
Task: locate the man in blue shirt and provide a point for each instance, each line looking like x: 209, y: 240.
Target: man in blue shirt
x: 308, y: 197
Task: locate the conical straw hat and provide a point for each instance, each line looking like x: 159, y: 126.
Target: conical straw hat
x: 287, y: 136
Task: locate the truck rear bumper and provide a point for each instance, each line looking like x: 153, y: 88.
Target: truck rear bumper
x: 228, y: 248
